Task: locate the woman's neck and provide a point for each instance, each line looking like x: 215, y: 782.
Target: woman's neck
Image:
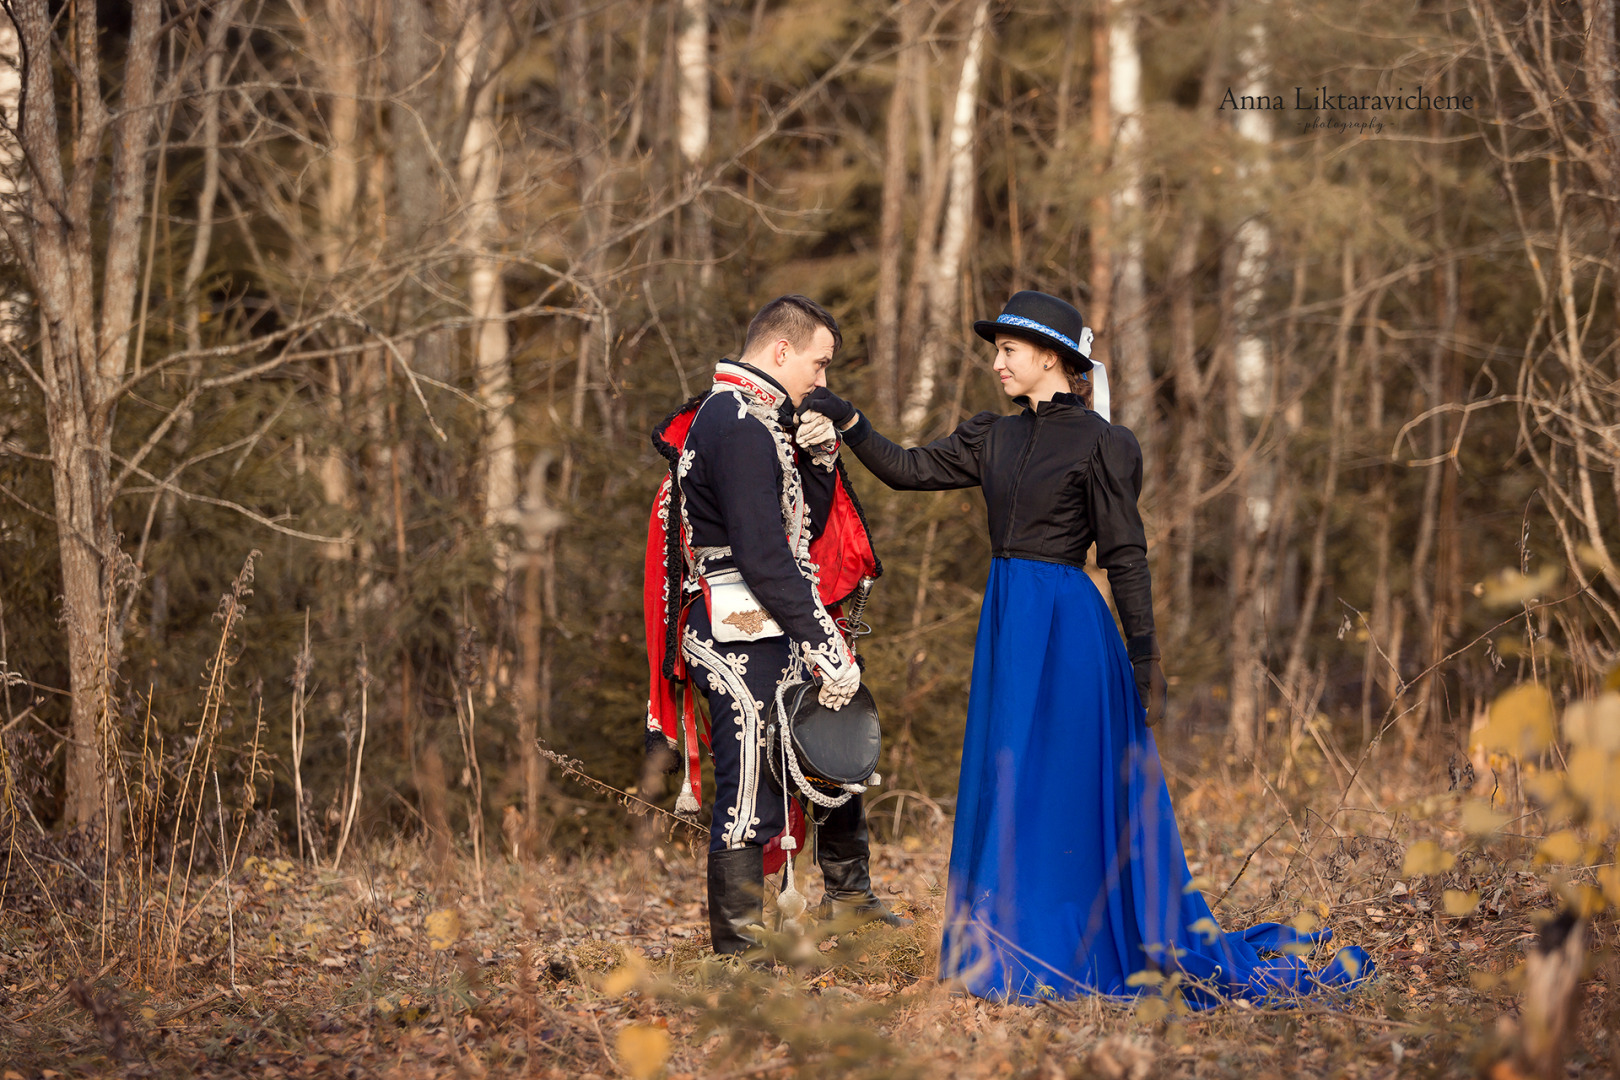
x: 1055, y: 382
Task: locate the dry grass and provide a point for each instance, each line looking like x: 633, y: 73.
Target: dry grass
x: 598, y: 967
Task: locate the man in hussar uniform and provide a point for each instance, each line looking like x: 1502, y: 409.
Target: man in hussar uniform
x: 754, y: 542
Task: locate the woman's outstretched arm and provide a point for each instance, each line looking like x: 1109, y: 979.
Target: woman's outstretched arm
x: 951, y: 462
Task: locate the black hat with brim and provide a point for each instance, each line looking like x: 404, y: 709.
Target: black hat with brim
x: 1045, y: 320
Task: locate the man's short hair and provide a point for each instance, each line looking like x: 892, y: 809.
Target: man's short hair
x: 792, y: 318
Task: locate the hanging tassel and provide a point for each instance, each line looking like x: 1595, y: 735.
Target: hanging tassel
x: 688, y: 802
x: 790, y: 901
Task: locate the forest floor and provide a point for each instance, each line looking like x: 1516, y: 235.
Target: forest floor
x: 400, y: 965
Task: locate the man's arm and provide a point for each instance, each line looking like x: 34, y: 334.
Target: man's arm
x: 745, y: 476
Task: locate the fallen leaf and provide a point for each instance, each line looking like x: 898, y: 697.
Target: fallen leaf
x: 643, y: 1049
x: 443, y: 928
x: 1459, y: 904
x: 1478, y: 819
x: 1562, y: 847
x: 1426, y: 857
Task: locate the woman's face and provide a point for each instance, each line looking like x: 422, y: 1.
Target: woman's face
x: 1027, y: 370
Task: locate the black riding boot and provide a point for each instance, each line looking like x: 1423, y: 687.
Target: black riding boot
x: 844, y: 855
x: 736, y: 897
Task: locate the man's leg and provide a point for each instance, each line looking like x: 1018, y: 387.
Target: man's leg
x: 747, y: 809
x: 845, y: 858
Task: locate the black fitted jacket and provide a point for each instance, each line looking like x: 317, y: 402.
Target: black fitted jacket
x: 733, y: 495
x: 1057, y: 479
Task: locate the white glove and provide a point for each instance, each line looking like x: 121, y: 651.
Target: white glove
x: 816, y: 432
x: 838, y: 684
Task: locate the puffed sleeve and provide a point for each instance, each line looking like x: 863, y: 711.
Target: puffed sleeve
x: 951, y: 462
x: 1116, y: 482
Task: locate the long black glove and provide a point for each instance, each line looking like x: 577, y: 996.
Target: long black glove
x: 828, y: 404
x: 660, y: 758
x: 1150, y: 684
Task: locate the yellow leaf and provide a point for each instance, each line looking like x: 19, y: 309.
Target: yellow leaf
x: 1545, y: 788
x: 1521, y: 722
x: 1562, y: 847
x: 1425, y: 857
x: 643, y: 1049
x: 1478, y: 819
x: 443, y: 928
x: 1150, y: 1010
x: 1144, y: 978
x: 1322, y: 909
x: 1197, y: 884
x: 1586, y: 901
x: 1459, y: 904
x: 1349, y: 961
x: 621, y: 979
x: 1306, y: 922
x: 1609, y: 879
x: 1588, y: 775
x: 1509, y: 588
x: 1594, y: 722
x: 1592, y: 557
x: 1206, y: 926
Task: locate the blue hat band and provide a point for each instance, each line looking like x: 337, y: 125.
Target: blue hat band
x: 1031, y: 324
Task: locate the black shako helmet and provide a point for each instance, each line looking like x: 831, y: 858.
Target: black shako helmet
x: 1047, y: 321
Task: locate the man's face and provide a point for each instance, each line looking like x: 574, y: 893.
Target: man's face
x: 802, y: 370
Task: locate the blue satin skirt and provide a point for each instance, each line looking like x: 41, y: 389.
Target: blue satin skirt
x: 1067, y: 874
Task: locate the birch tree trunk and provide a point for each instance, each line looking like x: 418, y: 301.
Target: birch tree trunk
x: 1099, y: 312
x: 1252, y: 390
x: 692, y: 113
x: 942, y: 285
x: 1132, y: 371
x: 891, y: 228
x: 479, y: 172
x: 592, y: 166
x: 418, y: 207
x: 332, y: 40
x: 13, y: 168
x: 84, y: 348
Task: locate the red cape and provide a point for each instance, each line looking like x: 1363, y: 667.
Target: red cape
x: 843, y: 554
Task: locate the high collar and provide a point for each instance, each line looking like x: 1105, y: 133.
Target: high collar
x: 755, y: 385
x: 1061, y: 400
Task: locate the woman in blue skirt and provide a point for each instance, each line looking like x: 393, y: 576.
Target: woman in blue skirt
x: 1067, y: 873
